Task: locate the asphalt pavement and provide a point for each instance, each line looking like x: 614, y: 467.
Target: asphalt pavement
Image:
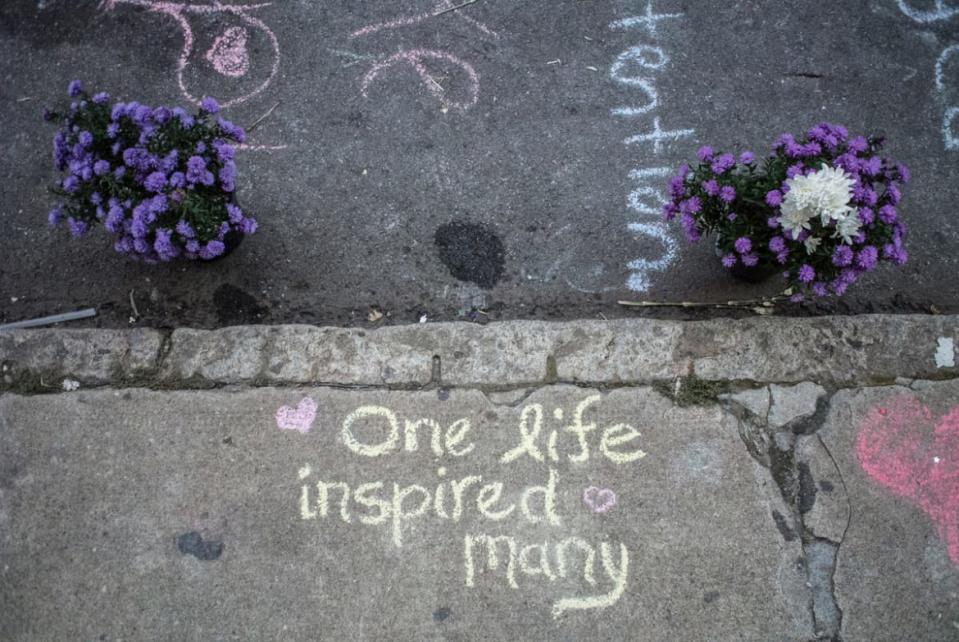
x: 471, y: 163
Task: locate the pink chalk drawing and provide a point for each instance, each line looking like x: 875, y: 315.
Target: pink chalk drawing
x: 599, y: 500
x: 229, y: 55
x: 915, y: 455
x: 416, y: 58
x: 299, y: 419
x: 444, y: 8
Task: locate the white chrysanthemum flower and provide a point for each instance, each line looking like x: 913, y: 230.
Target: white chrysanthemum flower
x: 848, y: 227
x: 812, y: 243
x: 825, y: 193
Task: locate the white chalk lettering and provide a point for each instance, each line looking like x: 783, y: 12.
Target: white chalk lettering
x: 529, y: 432
x: 626, y: 434
x: 388, y: 444
x: 647, y: 20
x: 658, y: 136
x: 639, y: 279
x: 617, y: 573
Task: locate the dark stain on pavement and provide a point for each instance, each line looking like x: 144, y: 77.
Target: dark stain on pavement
x: 807, y: 489
x: 472, y: 253
x: 440, y: 614
x: 192, y: 543
x: 237, y: 307
x: 783, y: 526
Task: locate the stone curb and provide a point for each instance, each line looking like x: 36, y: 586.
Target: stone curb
x: 830, y: 350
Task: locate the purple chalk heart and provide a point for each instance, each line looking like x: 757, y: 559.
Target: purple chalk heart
x: 599, y: 500
x: 299, y: 419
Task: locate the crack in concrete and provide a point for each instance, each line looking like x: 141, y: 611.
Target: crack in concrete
x: 776, y: 450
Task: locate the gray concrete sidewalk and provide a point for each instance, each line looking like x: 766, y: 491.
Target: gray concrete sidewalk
x: 769, y: 479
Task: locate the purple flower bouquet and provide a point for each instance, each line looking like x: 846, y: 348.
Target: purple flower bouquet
x: 160, y: 179
x: 822, y: 209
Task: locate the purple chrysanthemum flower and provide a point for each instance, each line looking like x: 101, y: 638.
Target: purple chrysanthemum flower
x: 119, y: 172
x: 747, y: 158
x: 903, y: 173
x: 209, y: 105
x: 806, y: 273
x: 161, y: 115
x: 234, y: 213
x: 85, y: 139
x: 248, y: 226
x: 669, y: 211
x: 55, y: 215
x: 168, y: 163
x: 858, y: 145
x: 783, y: 256
x: 819, y: 288
x: 795, y: 170
x: 750, y: 260
x: 711, y: 187
x: 177, y: 180
x: 193, y: 247
x: 691, y: 205
x: 842, y: 256
x: 141, y: 115
x: 689, y: 227
x: 101, y: 98
x: 743, y: 244
x: 201, y: 147
x: 732, y: 216
x: 232, y: 130
x: 195, y: 169
x: 871, y: 166
x: 887, y: 214
x: 228, y: 177
x: 96, y: 198
x: 74, y: 88
x: 867, y: 257
x: 186, y: 120
x: 101, y: 167
x: 185, y: 230
x: 77, y: 227
x: 866, y: 215
x: 777, y: 244
x: 723, y: 164
x: 729, y: 260
x: 772, y: 222
x: 114, y: 218
x: 155, y: 182
x: 163, y: 245
x: 225, y: 152
x: 727, y: 193
x: 157, y: 205
x: 893, y: 194
x: 774, y: 198
x: 212, y: 250
x: 71, y: 183
x: 704, y: 153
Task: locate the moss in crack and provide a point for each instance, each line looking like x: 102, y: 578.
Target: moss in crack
x: 691, y: 390
x: 552, y: 374
x: 31, y: 383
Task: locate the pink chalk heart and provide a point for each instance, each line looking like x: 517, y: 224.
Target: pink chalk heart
x: 229, y: 55
x: 915, y: 455
x: 599, y: 500
x: 299, y: 419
